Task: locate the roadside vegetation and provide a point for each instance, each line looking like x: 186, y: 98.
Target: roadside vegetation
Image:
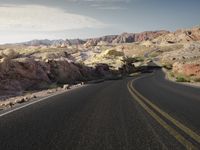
x: 115, y: 53
x: 182, y: 79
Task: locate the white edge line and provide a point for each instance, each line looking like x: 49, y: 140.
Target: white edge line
x: 18, y: 108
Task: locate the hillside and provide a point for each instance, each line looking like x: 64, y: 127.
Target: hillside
x: 181, y: 51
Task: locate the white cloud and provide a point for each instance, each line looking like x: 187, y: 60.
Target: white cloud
x: 42, y: 18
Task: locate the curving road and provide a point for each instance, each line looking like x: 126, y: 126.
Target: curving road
x: 108, y: 116
x: 176, y: 104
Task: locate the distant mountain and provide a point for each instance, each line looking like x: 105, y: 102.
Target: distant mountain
x: 126, y: 38
x: 54, y: 43
x: 109, y: 39
x: 139, y: 37
x: 38, y: 42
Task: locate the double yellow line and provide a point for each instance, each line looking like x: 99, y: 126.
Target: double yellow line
x: 152, y: 108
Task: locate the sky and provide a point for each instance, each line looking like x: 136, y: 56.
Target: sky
x: 24, y: 20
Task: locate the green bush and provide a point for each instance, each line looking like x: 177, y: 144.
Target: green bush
x: 115, y: 53
x: 171, y: 74
x: 181, y: 79
x: 53, y: 86
x: 129, y: 60
x: 139, y: 59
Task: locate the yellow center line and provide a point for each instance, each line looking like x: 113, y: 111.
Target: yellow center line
x: 188, y: 145
x: 187, y: 130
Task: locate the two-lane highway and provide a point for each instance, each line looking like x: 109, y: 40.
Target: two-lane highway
x: 175, y: 104
x: 104, y: 116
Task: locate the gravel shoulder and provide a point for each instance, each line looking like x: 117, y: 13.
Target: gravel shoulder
x: 35, y: 95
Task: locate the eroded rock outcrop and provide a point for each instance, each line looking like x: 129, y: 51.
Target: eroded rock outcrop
x: 179, y: 36
x: 17, y: 75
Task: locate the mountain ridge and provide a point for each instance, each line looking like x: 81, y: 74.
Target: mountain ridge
x: 112, y: 39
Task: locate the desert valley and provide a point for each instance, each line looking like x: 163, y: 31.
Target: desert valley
x: 50, y: 64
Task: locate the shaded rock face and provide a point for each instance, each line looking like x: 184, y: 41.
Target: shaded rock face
x: 63, y: 71
x: 128, y: 66
x: 102, y: 69
x: 17, y: 75
x: 20, y: 74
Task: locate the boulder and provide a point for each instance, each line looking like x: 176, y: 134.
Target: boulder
x: 66, y: 86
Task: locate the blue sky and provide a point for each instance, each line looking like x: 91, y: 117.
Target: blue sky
x: 22, y: 20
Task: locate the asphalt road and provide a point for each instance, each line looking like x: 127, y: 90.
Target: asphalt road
x: 106, y: 116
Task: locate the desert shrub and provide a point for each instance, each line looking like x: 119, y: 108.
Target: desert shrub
x: 171, y: 74
x: 129, y: 60
x: 53, y: 86
x: 115, y: 53
x: 181, y: 79
x: 196, y: 79
x: 167, y: 66
x: 139, y: 59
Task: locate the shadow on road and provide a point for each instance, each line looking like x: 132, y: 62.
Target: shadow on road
x: 151, y: 67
